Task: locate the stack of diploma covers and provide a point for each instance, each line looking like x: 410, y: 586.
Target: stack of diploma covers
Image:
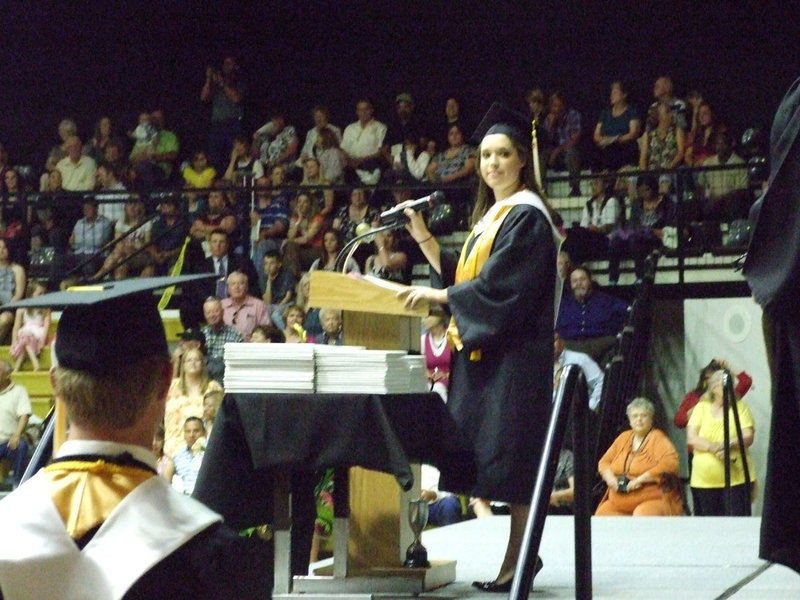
x: 311, y: 368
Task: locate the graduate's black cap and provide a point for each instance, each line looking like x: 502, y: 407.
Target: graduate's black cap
x: 501, y: 119
x: 108, y: 325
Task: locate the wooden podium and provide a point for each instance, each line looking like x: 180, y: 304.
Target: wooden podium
x: 377, y: 532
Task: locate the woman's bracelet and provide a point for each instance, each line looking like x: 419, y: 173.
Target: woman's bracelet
x: 427, y: 239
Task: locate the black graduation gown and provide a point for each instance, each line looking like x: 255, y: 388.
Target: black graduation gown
x: 773, y: 273
x: 502, y: 402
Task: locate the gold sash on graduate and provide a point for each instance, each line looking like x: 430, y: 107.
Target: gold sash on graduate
x: 85, y: 492
x: 470, y: 265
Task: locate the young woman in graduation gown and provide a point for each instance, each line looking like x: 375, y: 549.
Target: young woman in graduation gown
x: 501, y: 293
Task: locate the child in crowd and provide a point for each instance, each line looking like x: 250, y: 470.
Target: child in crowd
x: 165, y: 467
x: 143, y: 136
x: 31, y: 328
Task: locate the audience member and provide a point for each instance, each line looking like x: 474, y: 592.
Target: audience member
x: 294, y: 316
x: 617, y: 131
x: 650, y: 214
x: 31, y: 330
x: 331, y: 319
x: 271, y: 218
x: 403, y: 129
x: 77, y: 170
x: 562, y: 134
x: 313, y: 175
x: 361, y: 144
x: 188, y: 460
x: 198, y: 173
x: 663, y: 145
x: 725, y: 194
x: 563, y: 495
x: 664, y: 93
x: 436, y: 352
x: 12, y: 288
x: 185, y: 397
x: 304, y: 237
x: 356, y: 212
x: 189, y: 339
x: 128, y: 256
x: 700, y: 142
x: 217, y: 334
x: 312, y: 322
x: 242, y: 164
x: 332, y: 160
x: 111, y: 203
x: 225, y: 90
x: 390, y: 262
x: 167, y: 235
x: 321, y: 117
x: 267, y: 334
x: 66, y: 130
x: 155, y: 162
x: 457, y: 163
x: 640, y: 469
x: 591, y: 370
x: 280, y: 282
x: 602, y: 215
x: 331, y: 244
x: 534, y: 98
x: 219, y: 216
x: 589, y: 320
x: 277, y: 142
x: 240, y: 309
x: 103, y: 134
x: 211, y: 401
x: 165, y: 466
x: 89, y: 236
x: 143, y: 135
x: 15, y: 410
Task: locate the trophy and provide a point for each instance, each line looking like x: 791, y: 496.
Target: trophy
x: 417, y: 555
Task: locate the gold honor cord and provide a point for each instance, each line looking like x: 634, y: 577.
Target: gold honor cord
x: 537, y: 170
x: 176, y: 270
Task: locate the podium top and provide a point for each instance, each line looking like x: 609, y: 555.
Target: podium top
x: 360, y: 294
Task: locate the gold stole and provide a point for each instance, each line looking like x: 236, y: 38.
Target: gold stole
x: 85, y: 493
x: 470, y: 265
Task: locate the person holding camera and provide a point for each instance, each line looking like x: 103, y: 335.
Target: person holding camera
x: 640, y: 469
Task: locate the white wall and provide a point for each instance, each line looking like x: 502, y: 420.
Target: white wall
x: 730, y: 329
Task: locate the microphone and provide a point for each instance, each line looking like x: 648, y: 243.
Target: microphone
x: 394, y: 214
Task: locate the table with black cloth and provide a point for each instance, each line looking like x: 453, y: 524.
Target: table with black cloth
x: 267, y: 447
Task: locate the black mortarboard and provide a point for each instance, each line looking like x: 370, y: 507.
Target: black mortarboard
x: 108, y: 325
x: 501, y: 119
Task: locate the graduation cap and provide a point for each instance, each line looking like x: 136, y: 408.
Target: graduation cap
x: 501, y: 119
x: 108, y: 325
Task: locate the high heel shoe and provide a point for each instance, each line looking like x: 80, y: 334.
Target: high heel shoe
x: 493, y: 586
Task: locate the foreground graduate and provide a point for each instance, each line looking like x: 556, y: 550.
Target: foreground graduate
x: 98, y: 522
x: 773, y: 273
x: 501, y: 292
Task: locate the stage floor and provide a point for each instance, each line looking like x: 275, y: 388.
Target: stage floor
x: 679, y: 558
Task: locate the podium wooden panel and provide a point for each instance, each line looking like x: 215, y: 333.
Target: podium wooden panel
x: 372, y: 317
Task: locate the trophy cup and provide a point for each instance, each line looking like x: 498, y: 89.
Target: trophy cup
x: 417, y: 555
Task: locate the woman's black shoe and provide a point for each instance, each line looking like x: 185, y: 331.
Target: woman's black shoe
x: 493, y: 586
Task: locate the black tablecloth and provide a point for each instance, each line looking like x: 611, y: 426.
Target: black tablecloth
x: 255, y: 435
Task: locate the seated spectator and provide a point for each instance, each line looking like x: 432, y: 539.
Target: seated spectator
x: 409, y: 162
x: 725, y: 194
x: 617, y: 131
x: 211, y: 401
x: 154, y: 164
x: 651, y: 212
x: 143, y: 135
x: 240, y: 309
x: 331, y: 245
x: 562, y: 134
x: 602, y: 215
x: 133, y: 233
x: 267, y: 334
x: 294, y: 316
x: 705, y: 433
x: 115, y: 156
x: 15, y: 410
x: 89, y: 235
x: 279, y: 290
x: 242, y: 164
x: 313, y: 175
x: 390, y: 262
x: 111, y: 205
x: 700, y: 143
x: 103, y: 134
x: 165, y: 466
x: 185, y: 397
x: 14, y: 217
x: 361, y: 144
x: 349, y: 217
x: 12, y: 287
x: 77, y: 170
x: 563, y: 495
x: 321, y: 117
x: 443, y: 507
x: 452, y: 116
x: 189, y: 339
x: 404, y: 125
x: 662, y: 146
x: 456, y: 164
x: 219, y: 216
x: 591, y: 370
x: 304, y: 237
x: 66, y: 130
x: 436, y: 352
x: 198, y: 173
x: 277, y: 143
x: 664, y: 93
x: 270, y: 217
x: 312, y: 321
x: 217, y: 334
x: 167, y: 235
x: 332, y: 159
x: 588, y: 319
x: 331, y: 319
x: 640, y: 469
x: 31, y: 330
x: 189, y: 459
